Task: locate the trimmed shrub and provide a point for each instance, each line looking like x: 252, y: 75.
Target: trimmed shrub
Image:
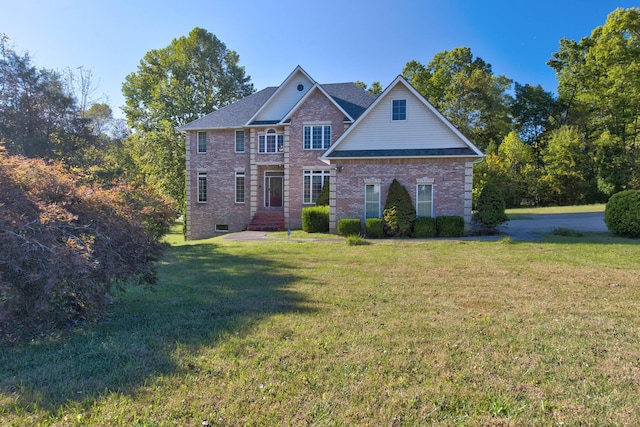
x: 315, y: 219
x: 622, y: 213
x: 374, y: 228
x: 349, y: 226
x: 449, y: 226
x: 424, y: 227
x: 323, y: 197
x: 491, y: 206
x: 399, y: 212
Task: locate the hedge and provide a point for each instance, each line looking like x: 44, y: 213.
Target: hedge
x: 374, y: 228
x: 450, y: 226
x: 424, y: 227
x: 315, y: 219
x: 349, y: 226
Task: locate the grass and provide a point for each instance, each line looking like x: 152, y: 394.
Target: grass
x: 522, y: 213
x: 322, y: 333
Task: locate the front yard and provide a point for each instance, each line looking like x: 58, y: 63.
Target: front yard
x: 280, y: 332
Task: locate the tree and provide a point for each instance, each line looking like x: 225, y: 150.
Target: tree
x: 375, y: 89
x: 399, y: 213
x: 465, y: 90
x: 599, y: 88
x: 65, y: 245
x: 191, y: 77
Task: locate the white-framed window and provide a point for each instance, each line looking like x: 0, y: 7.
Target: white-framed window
x: 399, y: 109
x: 239, y: 141
x: 239, y: 187
x: 222, y: 228
x: 424, y: 199
x: 202, y: 187
x: 202, y: 142
x: 313, y: 182
x: 271, y: 142
x: 317, y: 137
x: 371, y: 201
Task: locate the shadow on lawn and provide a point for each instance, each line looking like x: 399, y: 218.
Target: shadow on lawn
x: 204, y: 295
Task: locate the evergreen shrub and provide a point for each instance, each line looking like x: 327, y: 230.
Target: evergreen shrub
x: 424, y: 227
x: 349, y: 226
x: 323, y: 197
x: 399, y: 213
x: 315, y: 219
x: 491, y: 206
x: 374, y: 228
x: 449, y: 226
x: 622, y: 213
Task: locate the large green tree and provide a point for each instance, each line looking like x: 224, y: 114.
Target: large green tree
x: 191, y: 77
x: 599, y: 86
x: 465, y: 90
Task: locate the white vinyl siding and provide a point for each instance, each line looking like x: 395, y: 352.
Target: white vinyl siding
x: 372, y: 201
x: 422, y: 129
x: 285, y: 98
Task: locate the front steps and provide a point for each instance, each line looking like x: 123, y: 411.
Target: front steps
x: 267, y: 221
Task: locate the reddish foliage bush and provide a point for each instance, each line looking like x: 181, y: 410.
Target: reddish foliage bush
x: 66, y: 245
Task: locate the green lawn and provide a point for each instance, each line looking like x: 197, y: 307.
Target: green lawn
x: 278, y: 332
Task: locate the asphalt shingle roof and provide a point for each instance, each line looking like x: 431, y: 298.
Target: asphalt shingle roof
x: 350, y: 97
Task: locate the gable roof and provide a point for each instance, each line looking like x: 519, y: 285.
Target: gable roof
x: 274, y: 105
x: 454, y: 144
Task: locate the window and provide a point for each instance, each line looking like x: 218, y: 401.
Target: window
x: 202, y: 142
x: 239, y: 141
x: 222, y: 228
x: 399, y: 109
x: 424, y: 200
x: 317, y: 137
x: 271, y: 142
x: 239, y: 187
x: 202, y: 187
x: 313, y: 182
x: 372, y: 201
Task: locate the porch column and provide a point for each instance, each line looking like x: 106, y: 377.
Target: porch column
x: 333, y: 209
x: 253, y: 180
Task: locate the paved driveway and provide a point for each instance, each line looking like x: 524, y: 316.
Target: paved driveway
x: 529, y: 229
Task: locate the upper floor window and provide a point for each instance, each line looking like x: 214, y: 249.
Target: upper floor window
x: 202, y: 142
x: 317, y: 137
x: 271, y: 142
x: 239, y: 141
x: 399, y: 109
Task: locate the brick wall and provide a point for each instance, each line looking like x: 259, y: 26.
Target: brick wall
x: 448, y: 176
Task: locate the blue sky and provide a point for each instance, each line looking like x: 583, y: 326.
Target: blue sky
x: 333, y: 40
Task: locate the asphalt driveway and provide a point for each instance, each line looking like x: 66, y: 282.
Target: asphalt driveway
x: 530, y: 228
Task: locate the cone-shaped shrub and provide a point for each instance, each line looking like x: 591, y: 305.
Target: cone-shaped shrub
x: 399, y: 213
x: 323, y: 197
x: 491, y: 206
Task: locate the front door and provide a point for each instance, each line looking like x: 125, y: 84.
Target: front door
x: 273, y: 190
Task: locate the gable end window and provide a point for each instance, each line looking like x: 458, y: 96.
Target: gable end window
x: 317, y: 137
x: 202, y: 187
x: 271, y: 142
x: 202, y: 142
x: 239, y: 141
x: 399, y: 110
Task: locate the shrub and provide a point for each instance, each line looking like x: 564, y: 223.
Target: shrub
x: 349, y: 226
x: 65, y: 246
x: 374, y: 228
x: 356, y: 240
x: 399, y: 212
x: 424, y: 227
x: 323, y: 197
x: 315, y: 219
x: 449, y: 226
x: 491, y: 206
x: 622, y: 213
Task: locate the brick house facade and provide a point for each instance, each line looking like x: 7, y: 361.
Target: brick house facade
x: 259, y: 161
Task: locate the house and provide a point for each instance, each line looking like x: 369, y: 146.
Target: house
x: 256, y: 163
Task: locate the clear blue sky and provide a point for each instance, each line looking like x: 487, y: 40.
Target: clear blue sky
x: 333, y: 40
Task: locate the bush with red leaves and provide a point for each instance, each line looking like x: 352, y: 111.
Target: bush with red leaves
x: 65, y: 245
